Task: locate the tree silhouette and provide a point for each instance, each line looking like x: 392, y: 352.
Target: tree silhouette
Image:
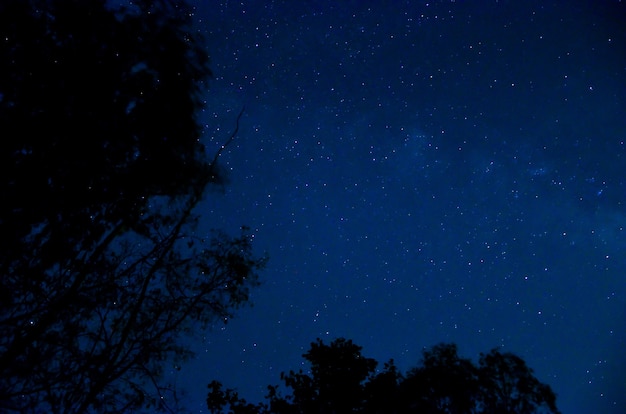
x: 509, y: 387
x: 335, y: 385
x: 444, y: 383
x: 101, y: 270
x: 382, y: 391
x: 341, y: 380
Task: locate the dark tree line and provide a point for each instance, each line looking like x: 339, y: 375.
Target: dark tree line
x: 342, y: 380
x: 101, y: 270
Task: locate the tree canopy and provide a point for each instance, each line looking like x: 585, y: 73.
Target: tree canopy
x: 342, y: 380
x: 101, y: 268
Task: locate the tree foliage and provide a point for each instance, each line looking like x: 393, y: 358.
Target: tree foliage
x: 101, y: 269
x: 508, y: 385
x: 341, y: 380
x: 335, y: 383
x: 447, y: 383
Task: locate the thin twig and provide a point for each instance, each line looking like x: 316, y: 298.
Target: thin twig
x: 229, y: 140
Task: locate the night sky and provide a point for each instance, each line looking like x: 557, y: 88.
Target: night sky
x: 423, y: 172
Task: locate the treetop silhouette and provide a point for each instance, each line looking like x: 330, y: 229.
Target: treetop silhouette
x: 341, y: 380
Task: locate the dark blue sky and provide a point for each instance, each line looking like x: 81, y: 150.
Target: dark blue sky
x: 424, y: 172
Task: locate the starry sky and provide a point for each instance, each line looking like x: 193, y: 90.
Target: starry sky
x: 422, y: 172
